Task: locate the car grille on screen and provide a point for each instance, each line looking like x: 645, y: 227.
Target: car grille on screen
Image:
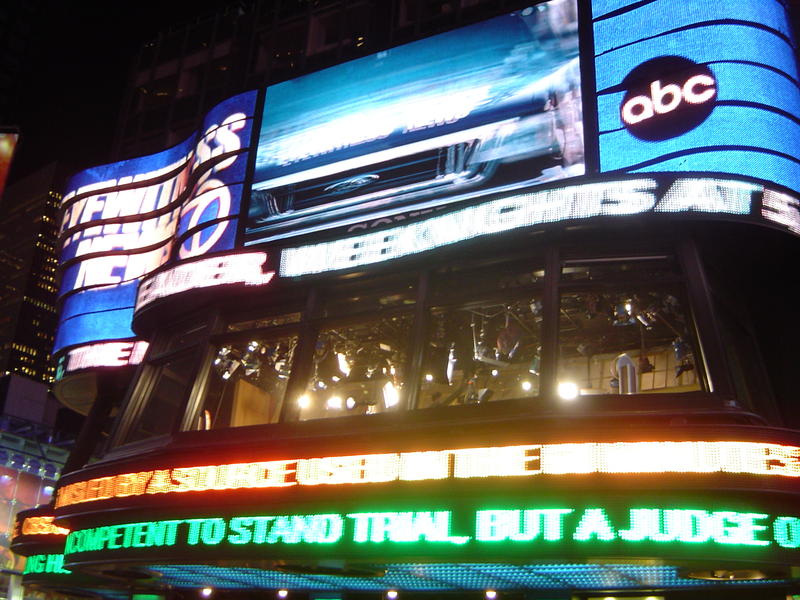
x: 413, y: 172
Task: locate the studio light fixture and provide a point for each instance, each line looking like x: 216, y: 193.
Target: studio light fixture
x: 623, y: 314
x: 391, y: 396
x: 568, y: 390
x: 344, y: 366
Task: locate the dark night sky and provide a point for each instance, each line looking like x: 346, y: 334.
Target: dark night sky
x: 77, y: 61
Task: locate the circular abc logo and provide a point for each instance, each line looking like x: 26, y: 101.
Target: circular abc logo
x: 666, y: 97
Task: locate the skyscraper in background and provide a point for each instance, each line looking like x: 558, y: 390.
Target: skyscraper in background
x: 28, y: 282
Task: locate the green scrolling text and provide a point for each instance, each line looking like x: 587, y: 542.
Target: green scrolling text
x: 529, y: 526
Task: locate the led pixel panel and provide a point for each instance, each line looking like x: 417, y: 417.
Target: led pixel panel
x: 691, y: 85
x: 124, y: 220
x: 520, y: 461
x: 507, y: 212
x: 555, y: 578
x: 46, y: 563
x: 548, y: 528
x: 494, y: 105
x: 39, y: 525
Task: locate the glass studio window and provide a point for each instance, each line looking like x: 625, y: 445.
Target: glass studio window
x: 485, y: 352
x: 625, y: 328
x: 476, y: 332
x: 358, y: 369
x: 168, y: 382
x: 247, y: 382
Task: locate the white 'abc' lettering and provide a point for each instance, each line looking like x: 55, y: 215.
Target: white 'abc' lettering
x: 696, y: 90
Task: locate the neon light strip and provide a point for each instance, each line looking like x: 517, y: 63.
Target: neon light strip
x: 613, y: 198
x: 41, y: 526
x: 45, y: 563
x: 545, y: 527
x: 752, y: 458
x: 106, y: 354
x: 246, y: 269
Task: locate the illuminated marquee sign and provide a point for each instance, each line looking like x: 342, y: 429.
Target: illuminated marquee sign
x: 8, y: 143
x: 515, y: 211
x: 751, y: 458
x: 782, y: 209
x: 46, y: 563
x: 105, y: 354
x: 531, y: 527
x: 124, y: 220
x: 244, y: 269
x: 39, y: 526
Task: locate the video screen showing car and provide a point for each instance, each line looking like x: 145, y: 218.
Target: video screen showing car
x: 482, y: 109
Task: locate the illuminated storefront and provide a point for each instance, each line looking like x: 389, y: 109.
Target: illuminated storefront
x: 450, y: 318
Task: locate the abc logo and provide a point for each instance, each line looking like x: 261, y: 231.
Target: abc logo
x: 666, y: 97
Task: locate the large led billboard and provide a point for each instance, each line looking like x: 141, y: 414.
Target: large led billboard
x: 489, y: 107
x: 697, y: 86
x: 124, y: 220
x: 674, y: 107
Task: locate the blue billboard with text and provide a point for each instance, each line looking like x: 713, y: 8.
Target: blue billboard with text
x: 124, y: 220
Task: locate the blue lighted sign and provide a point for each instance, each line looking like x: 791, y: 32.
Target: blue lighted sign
x: 692, y: 85
x: 124, y: 220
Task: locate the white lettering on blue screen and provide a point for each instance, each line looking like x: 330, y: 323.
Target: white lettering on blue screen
x: 111, y: 203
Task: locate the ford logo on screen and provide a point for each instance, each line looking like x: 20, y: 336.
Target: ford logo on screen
x: 666, y: 97
x: 352, y: 183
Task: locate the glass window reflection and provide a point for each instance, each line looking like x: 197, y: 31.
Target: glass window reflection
x: 247, y: 383
x: 626, y: 337
x: 358, y: 369
x: 482, y: 353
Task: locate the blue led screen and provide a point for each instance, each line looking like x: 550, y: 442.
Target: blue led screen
x: 111, y: 174
x: 555, y: 578
x: 124, y: 220
x: 753, y: 125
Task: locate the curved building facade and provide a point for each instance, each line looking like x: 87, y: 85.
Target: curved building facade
x: 502, y: 311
